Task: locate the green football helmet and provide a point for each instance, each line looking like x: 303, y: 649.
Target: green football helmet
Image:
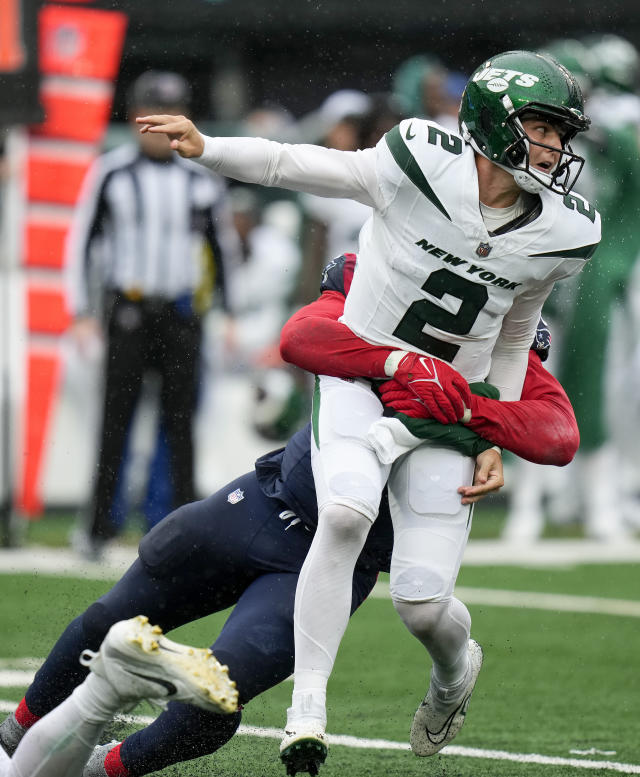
x: 518, y: 84
x: 578, y: 60
x: 617, y: 63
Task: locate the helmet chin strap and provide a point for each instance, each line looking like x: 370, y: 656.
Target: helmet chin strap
x: 527, y: 182
x: 523, y: 178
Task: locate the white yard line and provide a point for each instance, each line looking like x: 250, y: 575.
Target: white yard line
x: 15, y: 678
x: 541, y: 554
x: 65, y: 563
x: 385, y: 744
x: 493, y: 597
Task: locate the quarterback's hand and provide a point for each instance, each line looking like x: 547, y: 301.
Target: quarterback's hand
x: 488, y: 477
x: 444, y: 391
x: 182, y: 132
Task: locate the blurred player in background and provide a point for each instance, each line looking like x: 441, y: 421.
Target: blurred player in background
x: 352, y: 121
x: 246, y: 544
x: 518, y: 115
x: 150, y: 237
x: 592, y: 354
x: 260, y: 291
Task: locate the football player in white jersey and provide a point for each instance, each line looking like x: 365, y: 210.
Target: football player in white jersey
x: 467, y: 236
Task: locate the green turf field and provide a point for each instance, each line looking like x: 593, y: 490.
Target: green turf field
x: 552, y: 682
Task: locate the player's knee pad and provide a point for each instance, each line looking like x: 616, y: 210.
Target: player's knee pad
x: 421, y: 618
x: 344, y: 523
x: 430, y: 524
x: 354, y: 491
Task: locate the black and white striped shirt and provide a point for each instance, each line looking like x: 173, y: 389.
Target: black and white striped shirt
x: 147, y: 224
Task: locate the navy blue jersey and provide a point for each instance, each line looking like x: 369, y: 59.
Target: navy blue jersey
x: 286, y: 475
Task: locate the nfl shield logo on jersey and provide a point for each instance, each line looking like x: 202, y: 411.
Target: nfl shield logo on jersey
x: 483, y: 250
x: 235, y: 496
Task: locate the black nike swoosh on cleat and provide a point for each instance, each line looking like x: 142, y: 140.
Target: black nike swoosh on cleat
x: 410, y: 135
x: 436, y: 737
x: 167, y: 649
x: 166, y: 684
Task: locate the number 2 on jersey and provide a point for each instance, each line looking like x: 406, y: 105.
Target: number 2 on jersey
x: 472, y: 296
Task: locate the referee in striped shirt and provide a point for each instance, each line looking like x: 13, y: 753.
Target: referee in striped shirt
x: 150, y: 232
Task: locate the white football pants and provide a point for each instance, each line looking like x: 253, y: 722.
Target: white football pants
x: 430, y: 526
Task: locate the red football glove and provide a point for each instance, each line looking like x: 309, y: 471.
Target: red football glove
x: 444, y: 391
x: 400, y: 399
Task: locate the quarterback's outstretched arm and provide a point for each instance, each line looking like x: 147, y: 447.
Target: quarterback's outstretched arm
x: 541, y: 427
x: 302, y: 167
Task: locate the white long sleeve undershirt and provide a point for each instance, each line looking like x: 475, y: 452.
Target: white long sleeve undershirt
x: 317, y: 170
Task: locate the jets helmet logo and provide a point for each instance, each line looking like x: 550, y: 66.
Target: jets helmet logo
x: 498, y: 79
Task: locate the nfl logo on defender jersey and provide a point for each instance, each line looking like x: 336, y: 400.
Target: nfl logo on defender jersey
x: 483, y: 250
x: 235, y: 496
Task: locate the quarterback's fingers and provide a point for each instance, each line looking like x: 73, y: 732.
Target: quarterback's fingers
x: 488, y: 477
x: 472, y: 494
x: 156, y: 119
x: 172, y: 128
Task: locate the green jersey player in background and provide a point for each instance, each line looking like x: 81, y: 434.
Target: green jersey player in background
x: 467, y: 236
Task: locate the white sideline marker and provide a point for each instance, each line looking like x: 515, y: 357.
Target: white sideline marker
x: 385, y: 744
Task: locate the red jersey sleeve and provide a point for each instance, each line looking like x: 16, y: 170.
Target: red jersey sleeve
x: 540, y: 427
x: 315, y: 340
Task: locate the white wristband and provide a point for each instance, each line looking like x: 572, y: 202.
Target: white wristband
x: 497, y: 449
x: 467, y: 416
x: 392, y: 362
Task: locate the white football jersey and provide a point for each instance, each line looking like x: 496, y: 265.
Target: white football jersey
x: 430, y: 277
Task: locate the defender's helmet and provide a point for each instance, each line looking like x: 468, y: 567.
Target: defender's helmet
x: 516, y: 85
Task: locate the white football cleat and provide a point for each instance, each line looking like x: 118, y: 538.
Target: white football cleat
x: 436, y: 724
x: 140, y: 663
x: 304, y: 745
x: 304, y: 750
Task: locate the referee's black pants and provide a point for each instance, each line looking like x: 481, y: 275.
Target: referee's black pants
x: 147, y: 335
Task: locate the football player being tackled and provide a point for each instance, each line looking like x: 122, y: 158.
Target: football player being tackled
x: 245, y: 545
x: 468, y: 234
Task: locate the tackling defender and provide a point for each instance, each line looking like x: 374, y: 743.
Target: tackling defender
x: 134, y: 662
x: 468, y: 234
x: 246, y: 544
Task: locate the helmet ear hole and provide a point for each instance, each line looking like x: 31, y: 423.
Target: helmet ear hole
x: 517, y: 154
x: 486, y: 124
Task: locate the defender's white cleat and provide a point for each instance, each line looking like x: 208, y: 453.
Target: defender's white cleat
x: 435, y: 723
x: 140, y: 663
